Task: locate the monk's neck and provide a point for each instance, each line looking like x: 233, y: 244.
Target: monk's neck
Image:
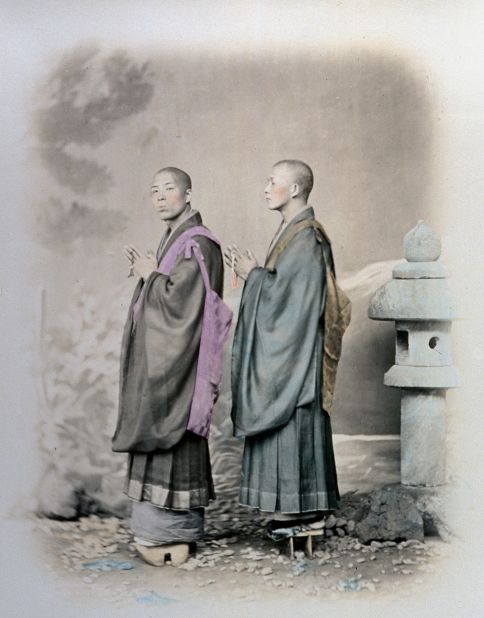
x: 292, y: 209
x: 186, y: 212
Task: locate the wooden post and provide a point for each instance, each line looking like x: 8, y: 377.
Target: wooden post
x: 309, y: 547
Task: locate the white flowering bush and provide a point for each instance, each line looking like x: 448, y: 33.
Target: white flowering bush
x: 80, y: 390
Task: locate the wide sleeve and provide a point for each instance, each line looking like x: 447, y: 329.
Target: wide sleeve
x: 273, y: 362
x: 173, y: 306
x: 160, y: 366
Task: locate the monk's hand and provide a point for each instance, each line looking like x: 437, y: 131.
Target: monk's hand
x: 241, y: 261
x: 143, y: 265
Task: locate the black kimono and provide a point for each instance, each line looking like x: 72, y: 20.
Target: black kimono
x: 168, y: 466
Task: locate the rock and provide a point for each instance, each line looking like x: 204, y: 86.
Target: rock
x: 415, y: 544
x: 57, y: 498
x: 191, y: 564
x: 350, y: 526
x: 431, y: 507
x: 392, y: 515
x: 266, y: 571
x: 239, y: 567
x: 340, y: 522
x: 330, y: 522
x: 322, y: 561
x: 340, y: 532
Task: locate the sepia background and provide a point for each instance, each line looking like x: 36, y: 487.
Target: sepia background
x: 383, y: 103
x: 103, y: 121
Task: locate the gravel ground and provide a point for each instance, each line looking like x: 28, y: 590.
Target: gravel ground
x: 235, y: 562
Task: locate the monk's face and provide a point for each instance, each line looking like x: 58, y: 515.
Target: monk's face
x: 168, y: 196
x: 279, y: 187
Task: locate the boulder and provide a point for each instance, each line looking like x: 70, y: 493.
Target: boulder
x: 392, y: 514
x: 57, y: 497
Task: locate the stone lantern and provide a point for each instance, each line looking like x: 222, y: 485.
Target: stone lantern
x: 418, y: 299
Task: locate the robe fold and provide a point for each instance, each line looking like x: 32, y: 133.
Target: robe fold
x: 288, y: 463
x: 168, y: 466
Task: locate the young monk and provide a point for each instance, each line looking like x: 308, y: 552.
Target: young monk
x: 288, y: 467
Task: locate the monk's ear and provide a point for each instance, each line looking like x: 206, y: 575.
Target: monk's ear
x: 188, y: 196
x: 294, y: 190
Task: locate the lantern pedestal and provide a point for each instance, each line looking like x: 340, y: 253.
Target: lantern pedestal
x: 422, y: 438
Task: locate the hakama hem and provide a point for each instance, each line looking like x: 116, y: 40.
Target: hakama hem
x: 179, y: 478
x: 291, y: 469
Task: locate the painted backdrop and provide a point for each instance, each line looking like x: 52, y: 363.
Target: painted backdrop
x: 103, y: 121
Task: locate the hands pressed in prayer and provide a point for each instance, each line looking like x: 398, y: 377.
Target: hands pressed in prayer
x: 241, y: 261
x: 141, y: 265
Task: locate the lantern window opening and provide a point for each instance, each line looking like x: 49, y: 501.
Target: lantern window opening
x: 402, y: 341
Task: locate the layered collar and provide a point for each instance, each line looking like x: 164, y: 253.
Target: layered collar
x: 307, y: 213
x: 169, y: 237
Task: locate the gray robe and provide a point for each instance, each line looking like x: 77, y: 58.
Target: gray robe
x: 169, y: 466
x: 159, y: 352
x: 288, y: 463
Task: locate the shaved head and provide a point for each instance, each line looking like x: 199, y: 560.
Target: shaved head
x: 171, y: 193
x: 181, y: 178
x: 301, y: 173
